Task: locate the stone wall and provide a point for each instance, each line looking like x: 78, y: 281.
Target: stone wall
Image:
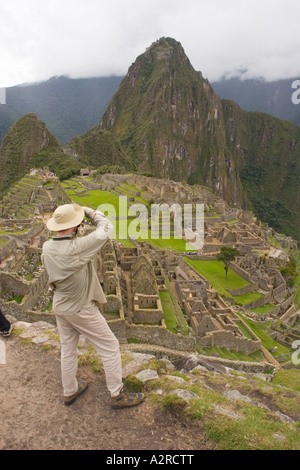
x: 17, y: 311
x: 113, y: 303
x: 12, y: 286
x: 147, y: 309
x: 244, y: 274
x: 279, y: 293
x: 260, y: 302
x: 118, y: 327
x: 244, y: 290
x: 227, y: 339
x: 7, y: 249
x: 160, y: 336
x: 36, y: 287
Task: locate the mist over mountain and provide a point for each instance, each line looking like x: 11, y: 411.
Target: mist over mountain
x: 69, y: 107
x: 165, y: 119
x: 279, y: 98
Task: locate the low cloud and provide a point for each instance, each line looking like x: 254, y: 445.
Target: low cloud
x: 98, y: 38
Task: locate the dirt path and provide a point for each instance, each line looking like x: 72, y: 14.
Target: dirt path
x: 33, y: 416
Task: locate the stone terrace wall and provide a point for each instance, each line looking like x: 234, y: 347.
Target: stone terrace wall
x: 7, y: 249
x: 226, y: 339
x: 11, y: 285
x: 160, y: 336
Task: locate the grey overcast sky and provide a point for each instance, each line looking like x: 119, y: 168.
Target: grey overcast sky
x: 88, y: 38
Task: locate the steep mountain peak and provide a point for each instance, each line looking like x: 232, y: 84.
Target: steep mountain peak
x: 27, y: 137
x: 165, y: 48
x: 164, y: 56
x: 167, y: 120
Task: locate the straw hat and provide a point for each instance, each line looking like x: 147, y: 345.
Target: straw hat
x: 66, y: 216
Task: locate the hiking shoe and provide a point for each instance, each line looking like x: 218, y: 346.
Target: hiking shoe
x: 8, y: 332
x: 82, y: 386
x: 124, y: 400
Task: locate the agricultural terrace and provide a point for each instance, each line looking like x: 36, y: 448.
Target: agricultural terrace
x: 125, y: 219
x: 214, y: 272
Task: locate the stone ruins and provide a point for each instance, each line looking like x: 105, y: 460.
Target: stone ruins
x: 142, y: 282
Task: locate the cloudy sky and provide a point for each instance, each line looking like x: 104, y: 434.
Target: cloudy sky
x: 88, y: 38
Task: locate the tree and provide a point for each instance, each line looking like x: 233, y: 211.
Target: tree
x: 226, y: 255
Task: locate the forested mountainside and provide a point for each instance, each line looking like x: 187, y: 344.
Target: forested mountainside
x: 166, y: 119
x: 69, y: 107
x: 279, y: 98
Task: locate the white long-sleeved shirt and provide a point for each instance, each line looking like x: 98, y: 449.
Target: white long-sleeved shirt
x: 68, y: 262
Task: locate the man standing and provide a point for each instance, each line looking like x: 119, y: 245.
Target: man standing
x: 68, y: 261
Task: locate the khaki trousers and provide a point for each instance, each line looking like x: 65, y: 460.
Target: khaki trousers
x: 90, y: 323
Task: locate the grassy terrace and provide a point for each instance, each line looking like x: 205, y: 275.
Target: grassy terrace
x: 173, y: 315
x: 262, y: 332
x: 214, y: 272
x: 117, y: 212
x: 233, y: 355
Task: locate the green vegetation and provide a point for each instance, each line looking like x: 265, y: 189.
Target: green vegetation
x: 91, y: 359
x: 246, y: 299
x: 213, y: 271
x: 255, y: 431
x: 173, y: 315
x: 261, y: 331
x: 289, y: 271
x: 233, y: 355
x: 117, y: 209
x: 288, y: 378
x: 25, y: 139
x: 242, y: 426
x: 263, y: 309
x: 168, y: 310
x: 133, y: 384
x: 17, y: 299
x: 226, y: 255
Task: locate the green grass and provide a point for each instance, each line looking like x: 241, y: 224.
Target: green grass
x: 254, y: 428
x: 255, y: 431
x: 214, y: 272
x: 168, y: 310
x: 173, y: 316
x: 17, y: 299
x: 288, y: 378
x: 2, y: 242
x: 116, y: 211
x: 234, y: 355
x: 263, y: 309
x: 246, y: 299
x: 266, y: 340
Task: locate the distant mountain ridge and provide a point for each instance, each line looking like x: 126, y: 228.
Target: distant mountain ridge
x: 167, y: 120
x: 69, y: 107
x: 277, y: 98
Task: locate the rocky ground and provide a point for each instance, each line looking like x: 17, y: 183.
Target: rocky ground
x: 33, y: 416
